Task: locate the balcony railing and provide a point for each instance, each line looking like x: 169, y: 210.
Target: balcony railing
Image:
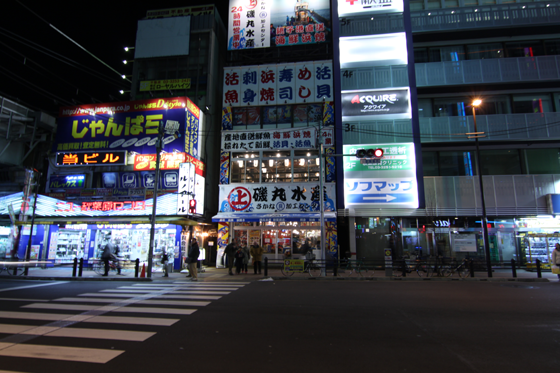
x: 487, y: 16
x: 497, y: 70
x: 538, y: 126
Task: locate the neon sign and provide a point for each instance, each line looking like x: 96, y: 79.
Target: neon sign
x: 94, y: 158
x: 102, y: 206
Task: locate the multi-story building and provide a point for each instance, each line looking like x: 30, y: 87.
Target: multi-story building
x: 506, y: 55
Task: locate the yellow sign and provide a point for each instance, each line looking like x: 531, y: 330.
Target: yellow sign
x: 164, y: 85
x: 294, y: 265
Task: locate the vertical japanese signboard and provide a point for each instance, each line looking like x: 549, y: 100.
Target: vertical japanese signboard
x: 389, y: 183
x: 191, y: 187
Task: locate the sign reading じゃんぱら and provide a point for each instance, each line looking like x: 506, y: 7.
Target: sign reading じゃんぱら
x: 131, y: 126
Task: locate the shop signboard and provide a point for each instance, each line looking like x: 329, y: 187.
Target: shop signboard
x: 168, y: 161
x: 164, y: 85
x: 373, y: 103
x: 91, y: 158
x: 180, y: 12
x: 365, y: 7
x: 389, y: 183
x: 291, y: 83
x: 67, y: 181
x: 275, y: 198
x: 464, y: 243
x: 191, y: 188
x: 277, y: 139
x: 270, y: 23
x: 129, y: 126
x: 142, y: 179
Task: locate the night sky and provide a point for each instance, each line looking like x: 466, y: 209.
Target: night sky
x: 43, y: 70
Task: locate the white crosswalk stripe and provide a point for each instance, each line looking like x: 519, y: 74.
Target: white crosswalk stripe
x: 163, y: 301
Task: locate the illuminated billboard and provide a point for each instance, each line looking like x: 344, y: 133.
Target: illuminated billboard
x: 277, y: 23
x: 130, y: 125
x: 391, y: 103
x: 364, y: 7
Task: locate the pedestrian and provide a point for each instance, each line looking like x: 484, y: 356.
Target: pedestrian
x: 107, y: 254
x: 192, y: 259
x: 116, y: 256
x: 165, y: 262
x: 239, y: 257
x: 246, y: 257
x: 556, y: 259
x: 229, y: 252
x: 256, y: 254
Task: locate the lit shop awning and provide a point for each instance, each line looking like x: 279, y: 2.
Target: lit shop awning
x: 246, y: 217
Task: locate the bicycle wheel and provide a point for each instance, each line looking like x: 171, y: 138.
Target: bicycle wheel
x: 286, y: 273
x: 463, y: 271
x: 422, y: 270
x: 314, y: 270
x: 446, y: 271
x: 397, y: 270
x: 99, y: 268
x: 18, y: 271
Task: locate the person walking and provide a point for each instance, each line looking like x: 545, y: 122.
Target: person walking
x: 229, y: 252
x: 556, y: 258
x: 192, y: 258
x: 239, y: 257
x: 107, y: 255
x: 164, y: 262
x: 246, y: 257
x: 256, y: 254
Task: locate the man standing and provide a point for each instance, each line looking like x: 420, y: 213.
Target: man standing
x: 192, y: 257
x: 256, y: 253
x: 107, y: 254
x: 230, y: 252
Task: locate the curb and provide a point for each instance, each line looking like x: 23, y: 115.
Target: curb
x: 410, y: 279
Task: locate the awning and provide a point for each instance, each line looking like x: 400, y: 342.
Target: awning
x: 247, y: 217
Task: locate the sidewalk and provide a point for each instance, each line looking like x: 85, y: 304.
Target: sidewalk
x: 221, y: 274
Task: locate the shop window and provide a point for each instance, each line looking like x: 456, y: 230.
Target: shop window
x: 245, y: 168
x: 276, y: 167
x: 543, y: 161
x: 306, y: 165
x: 500, y: 162
x: 525, y: 49
x: 277, y: 116
x: 421, y: 55
x: 456, y: 164
x: 485, y: 51
x: 532, y: 104
x: 552, y: 47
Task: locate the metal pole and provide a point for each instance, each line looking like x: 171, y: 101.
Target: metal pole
x: 484, y: 219
x: 321, y: 193
x: 154, y: 201
x: 28, y: 250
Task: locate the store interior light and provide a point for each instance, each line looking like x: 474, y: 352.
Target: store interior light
x: 302, y: 162
x: 240, y: 163
x: 287, y: 162
x: 270, y: 163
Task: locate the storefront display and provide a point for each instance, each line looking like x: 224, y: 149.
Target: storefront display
x: 540, y: 246
x: 70, y: 245
x: 4, y: 242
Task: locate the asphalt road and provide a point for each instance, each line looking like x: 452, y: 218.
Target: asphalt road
x: 279, y: 326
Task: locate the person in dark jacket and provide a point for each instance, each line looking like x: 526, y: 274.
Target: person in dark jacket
x: 107, y: 255
x: 230, y: 252
x: 193, y: 255
x: 239, y: 256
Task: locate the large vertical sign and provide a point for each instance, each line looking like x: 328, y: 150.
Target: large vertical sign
x: 389, y: 183
x: 191, y: 189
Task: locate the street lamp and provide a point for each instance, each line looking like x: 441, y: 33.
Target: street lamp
x: 484, y: 221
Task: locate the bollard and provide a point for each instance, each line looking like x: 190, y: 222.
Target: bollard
x: 136, y: 267
x: 335, y: 268
x: 471, y: 267
x: 539, y: 274
x: 80, y: 267
x: 265, y: 266
x: 513, y: 269
x: 404, y: 268
x: 74, y: 267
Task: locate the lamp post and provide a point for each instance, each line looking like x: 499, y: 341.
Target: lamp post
x: 484, y: 220
x: 159, y: 147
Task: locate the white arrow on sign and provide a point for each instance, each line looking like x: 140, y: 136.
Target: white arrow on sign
x: 386, y: 197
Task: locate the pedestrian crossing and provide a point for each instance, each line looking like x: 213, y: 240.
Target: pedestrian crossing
x: 156, y: 305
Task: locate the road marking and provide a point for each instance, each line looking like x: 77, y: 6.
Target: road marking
x: 117, y: 335
x: 178, y: 289
x: 34, y: 286
x: 193, y: 303
x: 194, y: 292
x: 52, y: 306
x: 170, y: 311
x: 87, y: 355
x: 23, y: 300
x: 169, y: 295
x: 88, y: 318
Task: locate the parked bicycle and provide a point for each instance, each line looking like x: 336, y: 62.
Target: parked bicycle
x: 99, y: 267
x: 13, y: 270
x: 401, y: 266
x: 463, y: 269
x: 310, y: 266
x: 350, y: 268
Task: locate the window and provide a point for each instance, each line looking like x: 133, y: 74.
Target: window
x: 552, y: 47
x: 430, y: 163
x: 484, y: 51
x: 543, y: 161
x: 461, y: 106
x: 532, y: 104
x: 276, y: 167
x: 444, y: 54
x: 421, y: 55
x: 525, y: 49
x: 456, y: 164
x: 306, y: 165
x: 245, y: 168
x: 500, y: 162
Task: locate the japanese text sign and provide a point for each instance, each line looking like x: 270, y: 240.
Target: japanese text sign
x: 94, y: 158
x: 301, y: 138
x: 363, y: 7
x: 66, y: 181
x: 277, y: 197
x: 270, y: 23
x: 164, y: 85
x: 191, y: 187
x: 304, y: 82
x: 168, y: 161
x: 376, y: 103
